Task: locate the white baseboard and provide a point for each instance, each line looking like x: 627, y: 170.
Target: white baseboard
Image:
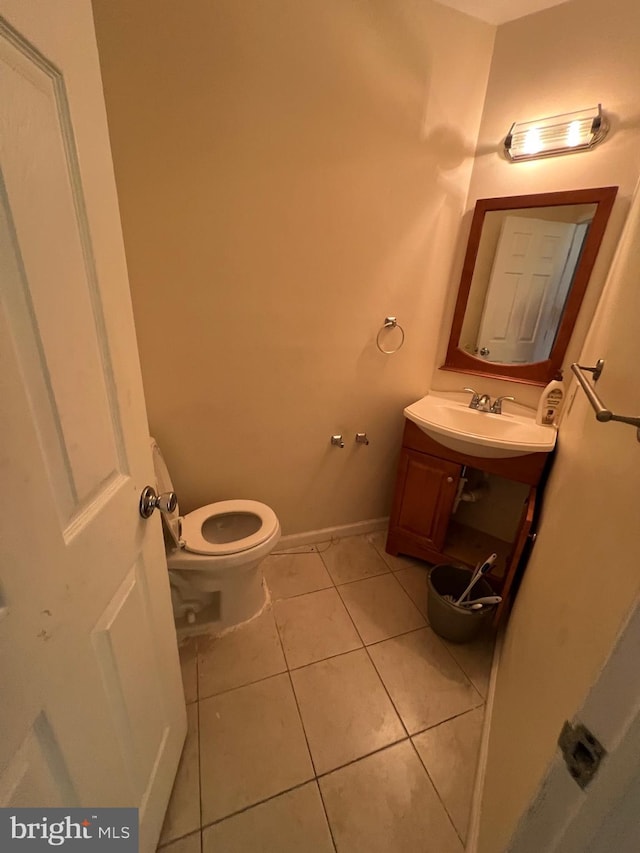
x: 311, y: 537
x: 476, y: 802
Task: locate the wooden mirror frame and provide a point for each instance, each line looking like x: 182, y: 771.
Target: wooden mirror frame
x: 541, y: 372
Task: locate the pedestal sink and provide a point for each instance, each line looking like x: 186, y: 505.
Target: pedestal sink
x: 447, y: 419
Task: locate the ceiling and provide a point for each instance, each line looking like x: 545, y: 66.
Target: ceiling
x: 500, y: 11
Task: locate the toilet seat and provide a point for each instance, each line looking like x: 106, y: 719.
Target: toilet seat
x: 193, y: 538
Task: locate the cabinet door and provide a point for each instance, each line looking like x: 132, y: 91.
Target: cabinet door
x: 426, y: 491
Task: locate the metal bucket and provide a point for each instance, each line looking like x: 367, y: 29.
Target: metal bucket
x: 458, y: 624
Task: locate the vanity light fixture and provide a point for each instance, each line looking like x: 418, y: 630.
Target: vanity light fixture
x: 562, y: 134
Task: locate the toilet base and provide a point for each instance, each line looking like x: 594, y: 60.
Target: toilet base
x: 207, y: 623
x: 203, y: 602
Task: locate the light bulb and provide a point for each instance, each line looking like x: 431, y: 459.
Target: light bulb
x: 573, y: 134
x: 532, y: 142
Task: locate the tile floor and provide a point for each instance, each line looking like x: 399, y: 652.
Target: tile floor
x: 336, y: 721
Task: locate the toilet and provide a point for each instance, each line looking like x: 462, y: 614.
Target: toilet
x: 213, y: 556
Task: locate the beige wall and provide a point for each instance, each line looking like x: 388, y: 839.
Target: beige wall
x: 569, y: 57
x: 289, y: 173
x: 583, y: 575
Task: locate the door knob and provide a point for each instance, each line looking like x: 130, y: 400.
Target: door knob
x: 449, y: 479
x: 484, y: 351
x: 149, y: 500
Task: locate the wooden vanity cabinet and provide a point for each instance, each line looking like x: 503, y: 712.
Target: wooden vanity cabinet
x: 427, y: 484
x: 426, y: 491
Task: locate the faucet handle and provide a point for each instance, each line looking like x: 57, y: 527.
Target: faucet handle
x: 475, y: 399
x: 496, y: 408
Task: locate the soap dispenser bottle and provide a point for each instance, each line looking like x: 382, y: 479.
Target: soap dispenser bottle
x: 551, y: 402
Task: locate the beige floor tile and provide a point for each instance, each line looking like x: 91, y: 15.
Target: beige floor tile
x: 188, y: 665
x: 450, y: 754
x: 291, y: 823
x: 190, y: 844
x: 385, y: 803
x: 380, y: 608
x: 425, y: 683
x: 183, y: 811
x: 314, y: 626
x: 353, y: 558
x: 247, y: 654
x: 345, y: 710
x: 252, y: 747
x: 396, y: 564
x: 295, y: 574
x: 475, y: 659
x: 414, y: 582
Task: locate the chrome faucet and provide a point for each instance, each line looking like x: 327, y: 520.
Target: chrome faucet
x: 478, y: 402
x: 482, y: 402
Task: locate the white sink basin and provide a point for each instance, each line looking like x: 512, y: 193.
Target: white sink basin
x: 447, y: 419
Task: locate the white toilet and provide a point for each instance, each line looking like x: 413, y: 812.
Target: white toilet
x: 214, y: 555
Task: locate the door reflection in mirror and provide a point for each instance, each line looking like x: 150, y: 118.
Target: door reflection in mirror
x: 523, y: 275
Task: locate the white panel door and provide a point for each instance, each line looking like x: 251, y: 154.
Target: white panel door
x: 527, y: 271
x: 91, y: 708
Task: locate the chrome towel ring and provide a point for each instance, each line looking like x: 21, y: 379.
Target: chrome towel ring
x: 390, y: 323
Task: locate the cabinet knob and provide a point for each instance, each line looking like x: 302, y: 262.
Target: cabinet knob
x: 449, y: 479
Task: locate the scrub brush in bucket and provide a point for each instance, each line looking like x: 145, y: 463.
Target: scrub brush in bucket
x: 480, y: 570
x: 484, y: 568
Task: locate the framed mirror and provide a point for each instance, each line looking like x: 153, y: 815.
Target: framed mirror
x: 525, y: 273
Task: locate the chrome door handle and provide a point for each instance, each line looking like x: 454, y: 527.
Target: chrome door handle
x: 149, y: 500
x: 484, y: 352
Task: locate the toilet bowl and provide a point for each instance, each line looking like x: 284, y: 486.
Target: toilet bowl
x: 213, y: 556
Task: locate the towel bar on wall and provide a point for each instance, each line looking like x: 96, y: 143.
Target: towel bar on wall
x: 602, y: 413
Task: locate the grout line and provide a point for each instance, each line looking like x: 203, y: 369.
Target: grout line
x: 397, y: 636
x: 384, y: 686
x: 296, y: 787
x: 461, y: 667
x: 326, y: 567
x: 435, y: 788
x: 362, y: 757
x: 411, y: 561
x: 373, y: 548
x: 322, y: 660
x: 275, y: 601
x: 393, y: 704
x: 247, y: 684
x: 393, y: 636
x: 447, y: 720
x: 304, y: 731
x: 181, y: 838
x: 311, y: 549
x: 400, y: 587
x: 295, y: 699
x: 326, y: 815
x: 366, y: 577
x: 355, y: 627
x: 313, y: 764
